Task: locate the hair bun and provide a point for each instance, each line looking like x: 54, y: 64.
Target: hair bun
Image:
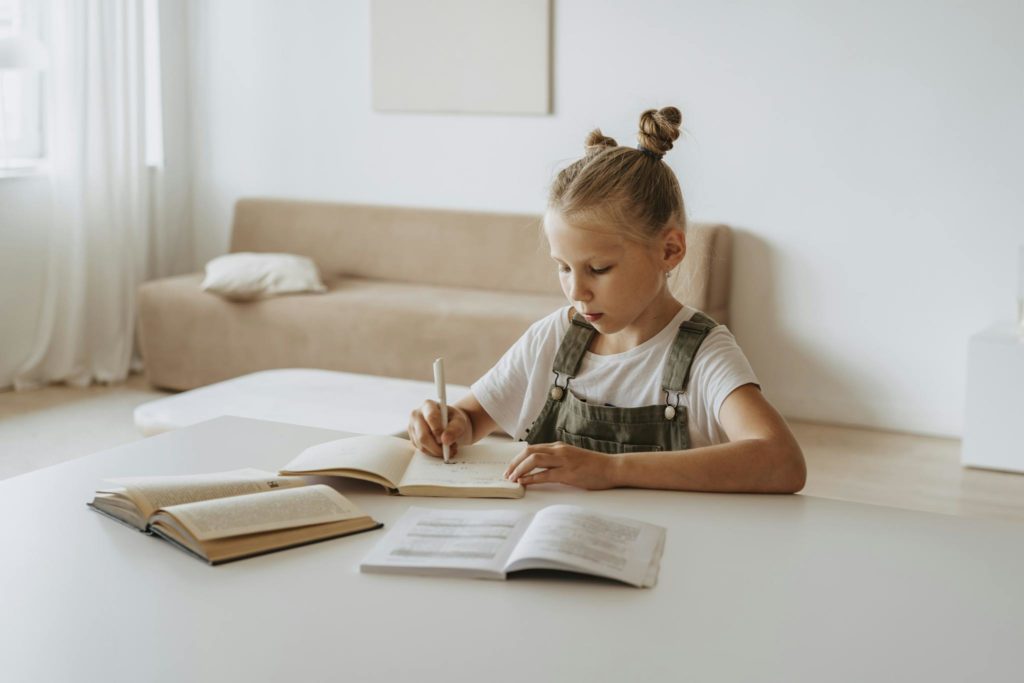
x: 659, y: 128
x: 598, y: 141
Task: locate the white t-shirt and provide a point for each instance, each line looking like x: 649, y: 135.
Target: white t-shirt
x: 514, y: 390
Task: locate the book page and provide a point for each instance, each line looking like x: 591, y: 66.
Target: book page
x: 385, y: 456
x: 152, y: 493
x: 479, y: 466
x: 426, y: 540
x: 574, y: 538
x: 281, y: 509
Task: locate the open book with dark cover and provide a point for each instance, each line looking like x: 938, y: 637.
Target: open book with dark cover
x: 475, y: 472
x: 490, y: 544
x: 227, y: 516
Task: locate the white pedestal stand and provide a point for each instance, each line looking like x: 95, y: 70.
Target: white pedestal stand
x: 994, y: 424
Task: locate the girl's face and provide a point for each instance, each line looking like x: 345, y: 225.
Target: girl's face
x: 616, y: 283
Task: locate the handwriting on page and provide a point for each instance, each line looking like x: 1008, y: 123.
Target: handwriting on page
x: 462, y: 471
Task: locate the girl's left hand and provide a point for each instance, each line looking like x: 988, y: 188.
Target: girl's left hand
x: 559, y: 462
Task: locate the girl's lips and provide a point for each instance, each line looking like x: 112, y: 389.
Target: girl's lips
x: 591, y: 317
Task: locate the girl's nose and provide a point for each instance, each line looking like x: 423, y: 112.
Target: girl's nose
x: 577, y: 289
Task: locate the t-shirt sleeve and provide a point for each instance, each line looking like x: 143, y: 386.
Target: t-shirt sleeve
x: 719, y: 369
x: 504, y: 388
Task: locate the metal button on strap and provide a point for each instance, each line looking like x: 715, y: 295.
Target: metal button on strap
x: 670, y: 412
x: 557, y: 393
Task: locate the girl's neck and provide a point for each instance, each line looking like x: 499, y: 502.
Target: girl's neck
x: 649, y: 323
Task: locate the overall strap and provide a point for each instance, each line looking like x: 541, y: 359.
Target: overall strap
x: 573, y: 347
x: 688, y: 339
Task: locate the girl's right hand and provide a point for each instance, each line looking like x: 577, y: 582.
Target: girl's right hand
x: 425, y: 428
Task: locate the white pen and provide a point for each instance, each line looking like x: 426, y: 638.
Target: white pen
x: 442, y: 398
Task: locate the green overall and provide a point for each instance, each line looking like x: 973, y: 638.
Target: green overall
x: 607, y: 429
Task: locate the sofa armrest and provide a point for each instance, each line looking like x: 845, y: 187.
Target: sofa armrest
x: 705, y: 276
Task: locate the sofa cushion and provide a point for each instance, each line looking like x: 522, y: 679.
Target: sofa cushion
x: 190, y: 338
x: 244, y: 276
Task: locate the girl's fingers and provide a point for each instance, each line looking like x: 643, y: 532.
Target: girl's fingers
x: 516, y: 460
x: 527, y: 452
x: 426, y: 434
x: 544, y: 476
x: 532, y: 461
x: 431, y: 412
x: 453, y: 432
x: 422, y: 436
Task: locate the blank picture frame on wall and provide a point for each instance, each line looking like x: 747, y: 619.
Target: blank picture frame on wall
x: 461, y: 56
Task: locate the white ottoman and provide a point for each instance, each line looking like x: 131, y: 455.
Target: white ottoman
x: 314, y: 398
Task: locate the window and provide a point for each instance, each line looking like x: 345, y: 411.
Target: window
x: 21, y: 111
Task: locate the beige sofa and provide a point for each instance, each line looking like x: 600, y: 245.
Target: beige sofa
x: 404, y: 287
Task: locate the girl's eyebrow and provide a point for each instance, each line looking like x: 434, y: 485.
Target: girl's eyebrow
x: 608, y: 252
x: 591, y: 258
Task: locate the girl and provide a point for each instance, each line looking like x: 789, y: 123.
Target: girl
x: 626, y: 386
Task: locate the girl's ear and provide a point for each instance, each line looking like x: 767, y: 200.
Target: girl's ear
x: 673, y: 248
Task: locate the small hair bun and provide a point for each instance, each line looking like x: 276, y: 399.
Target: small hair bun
x: 659, y: 128
x: 598, y: 141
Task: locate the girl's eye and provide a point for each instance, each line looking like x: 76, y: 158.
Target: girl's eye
x: 595, y: 271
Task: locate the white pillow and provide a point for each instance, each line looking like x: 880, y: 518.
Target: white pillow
x: 244, y: 276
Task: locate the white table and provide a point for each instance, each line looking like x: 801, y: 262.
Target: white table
x: 783, y: 588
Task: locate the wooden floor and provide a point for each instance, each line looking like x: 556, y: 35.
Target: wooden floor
x: 41, y: 428
x: 903, y: 470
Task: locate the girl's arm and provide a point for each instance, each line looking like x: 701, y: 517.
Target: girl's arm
x: 762, y: 456
x: 468, y: 422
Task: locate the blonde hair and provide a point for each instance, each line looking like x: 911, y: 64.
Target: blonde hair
x: 623, y: 189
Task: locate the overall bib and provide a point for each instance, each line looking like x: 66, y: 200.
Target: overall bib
x: 606, y: 429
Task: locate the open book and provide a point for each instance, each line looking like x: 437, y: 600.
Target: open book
x: 230, y: 515
x: 489, y: 544
x: 392, y: 462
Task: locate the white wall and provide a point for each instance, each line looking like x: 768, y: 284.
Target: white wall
x: 867, y: 152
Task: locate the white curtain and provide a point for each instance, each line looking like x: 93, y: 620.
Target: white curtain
x: 110, y: 228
